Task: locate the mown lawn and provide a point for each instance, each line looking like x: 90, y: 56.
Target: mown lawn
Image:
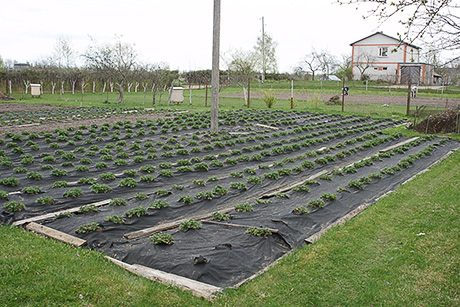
x: 402, y: 251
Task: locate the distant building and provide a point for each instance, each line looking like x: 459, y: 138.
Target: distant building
x: 21, y: 66
x: 382, y: 57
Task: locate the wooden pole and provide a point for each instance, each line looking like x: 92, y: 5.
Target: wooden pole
x: 343, y: 94
x: 215, y: 68
x: 206, y: 99
x: 408, y: 96
x: 292, y: 93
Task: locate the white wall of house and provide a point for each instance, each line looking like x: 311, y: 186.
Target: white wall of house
x: 382, y: 54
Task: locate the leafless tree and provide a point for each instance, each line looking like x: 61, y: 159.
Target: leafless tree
x: 115, y: 61
x: 364, y: 61
x: 242, y: 68
x: 265, y: 49
x: 63, y: 54
x: 328, y: 62
x: 313, y: 63
x: 431, y: 20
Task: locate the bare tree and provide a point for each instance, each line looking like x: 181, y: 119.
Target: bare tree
x: 434, y: 20
x: 265, y: 49
x: 362, y: 62
x: 313, y: 63
x: 63, y: 53
x: 241, y: 65
x: 328, y: 62
x: 115, y: 61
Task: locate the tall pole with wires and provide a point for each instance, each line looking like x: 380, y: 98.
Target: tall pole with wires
x: 263, y: 50
x: 215, y: 68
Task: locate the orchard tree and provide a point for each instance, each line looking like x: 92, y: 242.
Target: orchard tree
x: 434, y: 20
x: 364, y: 61
x: 242, y: 68
x: 313, y: 63
x: 265, y: 49
x: 63, y: 53
x: 328, y: 63
x: 116, y: 62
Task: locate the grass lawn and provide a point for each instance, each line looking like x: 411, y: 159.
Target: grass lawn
x: 404, y: 250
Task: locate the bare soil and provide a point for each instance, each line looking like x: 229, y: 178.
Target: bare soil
x: 362, y: 99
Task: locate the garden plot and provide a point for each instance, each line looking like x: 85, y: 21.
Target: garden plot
x: 215, y: 208
x: 32, y: 117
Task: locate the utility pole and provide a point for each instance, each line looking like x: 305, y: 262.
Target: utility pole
x: 263, y: 50
x: 215, y: 69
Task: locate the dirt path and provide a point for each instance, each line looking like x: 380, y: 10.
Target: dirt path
x: 390, y: 100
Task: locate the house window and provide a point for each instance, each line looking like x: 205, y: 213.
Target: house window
x: 385, y: 68
x: 383, y: 51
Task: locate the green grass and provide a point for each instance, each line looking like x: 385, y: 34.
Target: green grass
x: 376, y: 259
x: 135, y: 100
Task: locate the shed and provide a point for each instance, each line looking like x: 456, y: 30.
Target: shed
x: 177, y: 94
x: 35, y: 90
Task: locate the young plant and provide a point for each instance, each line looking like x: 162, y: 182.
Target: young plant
x: 138, y: 212
x: 317, y: 203
x: 329, y: 196
x: 355, y: 184
x: 32, y: 190
x: 88, y: 208
x: 14, y: 206
x: 85, y: 228
x: 140, y: 196
x: 301, y: 210
x: 205, y: 195
x: 220, y: 216
x: 162, y: 238
x: 115, y: 219
x: 166, y: 173
x: 238, y: 186
x: 190, y: 224
x: 118, y: 202
x: 186, y: 199
x: 4, y: 195
x: 259, y: 232
x: 128, y: 182
x: 159, y: 204
x: 244, y: 207
x: 60, y: 184
x: 100, y: 188
x: 301, y: 188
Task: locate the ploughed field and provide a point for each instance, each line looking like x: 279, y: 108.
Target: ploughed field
x: 214, y: 207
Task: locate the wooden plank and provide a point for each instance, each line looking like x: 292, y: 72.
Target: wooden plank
x: 52, y: 214
x: 165, y: 226
x: 399, y: 144
x: 236, y: 225
x: 340, y: 221
x: 265, y: 126
x: 55, y: 234
x: 295, y: 184
x: 196, y: 287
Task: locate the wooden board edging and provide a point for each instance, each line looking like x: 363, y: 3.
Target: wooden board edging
x: 52, y: 214
x: 55, y: 234
x: 165, y: 226
x: 196, y: 287
x: 399, y: 144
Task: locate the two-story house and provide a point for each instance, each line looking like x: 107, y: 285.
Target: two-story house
x: 382, y: 57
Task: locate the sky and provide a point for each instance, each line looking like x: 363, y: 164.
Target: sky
x: 179, y: 32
